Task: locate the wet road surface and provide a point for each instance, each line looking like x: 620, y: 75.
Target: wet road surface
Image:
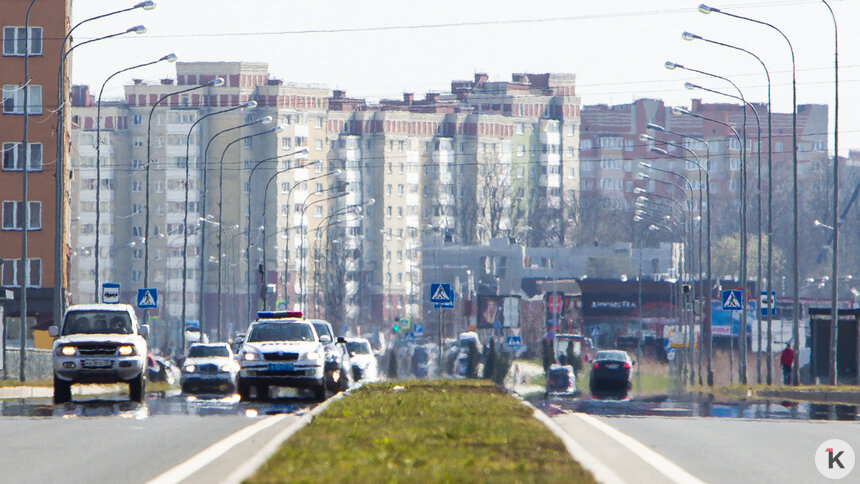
x: 108, y: 438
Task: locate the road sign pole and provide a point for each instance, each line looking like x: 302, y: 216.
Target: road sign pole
x: 441, y: 338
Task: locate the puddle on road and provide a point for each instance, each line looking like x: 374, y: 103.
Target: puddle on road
x: 156, y: 404
x: 697, y: 406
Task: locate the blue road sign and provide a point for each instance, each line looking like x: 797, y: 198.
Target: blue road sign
x: 110, y: 293
x: 147, y: 298
x: 419, y: 328
x: 441, y: 293
x: 409, y: 337
x: 733, y: 300
x: 515, y: 342
x: 595, y: 331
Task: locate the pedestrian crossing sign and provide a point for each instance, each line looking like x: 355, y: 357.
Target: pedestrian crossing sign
x: 732, y: 300
x: 147, y: 298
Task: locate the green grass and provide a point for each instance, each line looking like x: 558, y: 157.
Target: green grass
x: 17, y: 383
x: 431, y: 431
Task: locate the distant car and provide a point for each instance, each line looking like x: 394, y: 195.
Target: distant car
x: 364, y: 364
x: 561, y: 380
x: 338, y: 368
x: 611, y: 372
x: 99, y: 343
x: 209, y: 368
x: 282, y: 349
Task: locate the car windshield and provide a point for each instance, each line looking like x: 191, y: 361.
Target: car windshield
x: 207, y: 351
x: 281, y: 332
x: 322, y: 328
x: 358, y: 347
x: 612, y: 355
x: 97, y: 322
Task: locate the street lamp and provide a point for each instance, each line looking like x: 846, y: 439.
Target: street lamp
x: 167, y: 58
x: 795, y: 329
x: 303, y: 244
x: 213, y: 83
x: 289, y: 194
x: 743, y: 235
x: 59, y: 174
x: 221, y: 206
x: 247, y: 105
x: 690, y: 37
x: 263, y: 120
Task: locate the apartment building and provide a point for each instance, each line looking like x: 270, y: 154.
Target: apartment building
x: 29, y: 145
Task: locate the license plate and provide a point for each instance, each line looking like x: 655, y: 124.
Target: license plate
x: 613, y: 366
x: 96, y: 363
x: 281, y: 366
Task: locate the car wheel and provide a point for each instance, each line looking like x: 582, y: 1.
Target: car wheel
x: 319, y: 393
x: 262, y: 392
x: 137, y: 389
x: 244, y: 391
x: 62, y: 391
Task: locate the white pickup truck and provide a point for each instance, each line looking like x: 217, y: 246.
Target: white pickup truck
x: 99, y: 343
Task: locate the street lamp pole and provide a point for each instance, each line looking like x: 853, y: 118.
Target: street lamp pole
x: 168, y: 58
x: 202, y: 208
x: 221, y: 211
x: 59, y: 175
x: 834, y: 311
x: 690, y: 37
x: 303, y: 244
x: 795, y: 328
x: 263, y: 120
x: 215, y: 82
x: 265, y: 194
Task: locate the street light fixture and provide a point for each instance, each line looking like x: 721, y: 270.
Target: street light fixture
x: 247, y: 105
x: 795, y: 329
x: 303, y: 244
x: 167, y: 58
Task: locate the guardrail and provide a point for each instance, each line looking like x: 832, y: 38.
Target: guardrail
x: 38, y: 363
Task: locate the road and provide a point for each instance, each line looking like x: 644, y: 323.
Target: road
x: 107, y: 439
x: 681, y: 441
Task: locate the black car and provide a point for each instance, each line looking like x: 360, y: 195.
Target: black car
x: 611, y: 373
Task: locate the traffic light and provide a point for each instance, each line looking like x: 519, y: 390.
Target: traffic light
x: 396, y: 326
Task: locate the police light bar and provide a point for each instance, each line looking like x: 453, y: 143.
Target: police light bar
x: 278, y: 314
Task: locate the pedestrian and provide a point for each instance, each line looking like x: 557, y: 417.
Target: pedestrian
x: 786, y: 359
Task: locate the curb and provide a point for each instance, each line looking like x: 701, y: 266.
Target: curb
x: 600, y: 471
x: 48, y: 392
x: 847, y: 398
x: 250, y: 466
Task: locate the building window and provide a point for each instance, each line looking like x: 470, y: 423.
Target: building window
x: 137, y: 141
x: 13, y: 215
x: 13, y: 156
x: 13, y: 273
x: 137, y: 119
x: 249, y: 143
x: 15, y: 38
x: 318, y: 145
x: 318, y: 122
x: 13, y: 99
x: 137, y: 231
x: 318, y: 211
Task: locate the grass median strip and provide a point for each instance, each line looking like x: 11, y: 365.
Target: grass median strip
x: 426, y: 431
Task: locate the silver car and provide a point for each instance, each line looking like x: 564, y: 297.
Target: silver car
x: 209, y: 368
x: 364, y: 363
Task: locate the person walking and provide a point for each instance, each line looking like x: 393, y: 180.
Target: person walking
x: 786, y: 359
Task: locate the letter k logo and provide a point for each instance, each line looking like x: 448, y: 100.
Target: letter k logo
x: 834, y: 459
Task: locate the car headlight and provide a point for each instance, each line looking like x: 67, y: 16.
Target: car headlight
x: 249, y: 356
x: 312, y: 356
x: 190, y: 368
x: 126, y: 350
x: 226, y: 367
x: 67, y: 351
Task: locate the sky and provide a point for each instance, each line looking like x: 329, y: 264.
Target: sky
x: 383, y: 48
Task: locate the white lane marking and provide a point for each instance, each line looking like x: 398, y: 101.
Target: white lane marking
x: 194, y: 464
x: 662, y: 464
x: 251, y: 465
x: 600, y: 471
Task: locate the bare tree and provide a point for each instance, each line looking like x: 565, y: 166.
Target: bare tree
x: 494, y: 196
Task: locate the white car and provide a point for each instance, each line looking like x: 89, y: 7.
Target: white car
x: 364, y: 364
x: 209, y: 368
x: 99, y: 343
x: 282, y: 350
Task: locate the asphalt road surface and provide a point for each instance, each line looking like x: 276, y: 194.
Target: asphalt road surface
x: 111, y: 440
x: 716, y: 443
